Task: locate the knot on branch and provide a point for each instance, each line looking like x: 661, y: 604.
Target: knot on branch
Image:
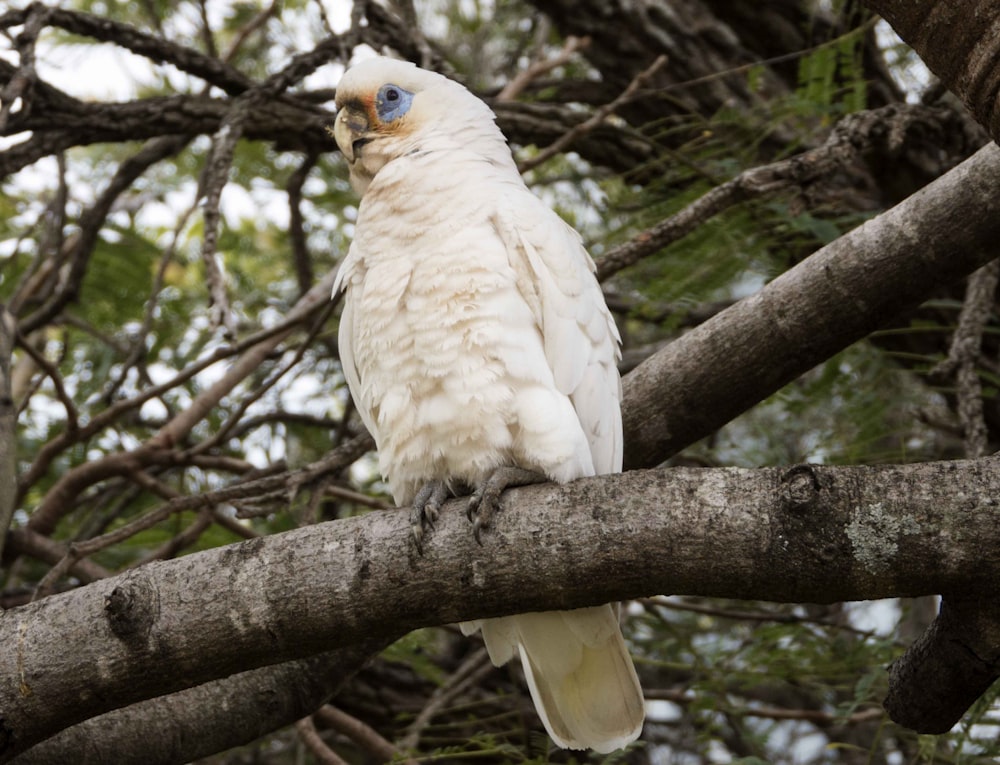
x: 132, y: 609
x: 801, y: 488
x: 815, y: 530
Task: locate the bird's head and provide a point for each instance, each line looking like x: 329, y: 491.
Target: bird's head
x: 389, y: 108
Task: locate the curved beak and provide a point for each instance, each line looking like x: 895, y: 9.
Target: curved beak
x: 350, y: 130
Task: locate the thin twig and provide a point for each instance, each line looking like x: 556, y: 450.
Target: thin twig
x: 80, y: 247
x: 536, y: 69
x: 256, y: 488
x: 747, y: 615
x: 20, y: 85
x: 184, y: 538
x: 845, y: 142
x: 249, y: 28
x: 816, y: 716
x: 362, y: 734
x: 42, y: 274
x: 254, y: 350
x: 356, y: 497
x: 311, y: 738
x: 139, y: 345
x: 259, y: 390
x: 26, y: 542
x: 964, y: 353
x: 8, y: 424
x: 476, y: 666
x: 52, y: 372
x: 595, y: 119
x: 296, y: 223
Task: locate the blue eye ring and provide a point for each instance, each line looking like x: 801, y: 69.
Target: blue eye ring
x: 392, y: 102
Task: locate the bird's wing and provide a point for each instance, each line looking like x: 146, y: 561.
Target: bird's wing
x: 351, y: 273
x: 555, y: 275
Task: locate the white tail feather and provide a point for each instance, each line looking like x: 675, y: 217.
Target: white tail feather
x: 579, y: 673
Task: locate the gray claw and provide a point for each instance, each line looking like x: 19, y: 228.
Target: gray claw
x: 425, y: 510
x: 485, y: 500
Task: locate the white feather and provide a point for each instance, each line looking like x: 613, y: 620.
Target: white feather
x: 475, y: 335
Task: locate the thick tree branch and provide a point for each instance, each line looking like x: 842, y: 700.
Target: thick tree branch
x: 967, y: 63
x: 949, y: 666
x: 183, y: 727
x: 842, y: 293
x: 59, y: 122
x: 698, y: 375
x: 155, y: 48
x: 808, y: 534
x: 893, y: 129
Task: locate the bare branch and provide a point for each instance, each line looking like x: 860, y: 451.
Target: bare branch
x: 849, y: 139
x: 296, y: 228
x: 519, y: 82
x: 20, y: 85
x: 845, y: 291
x: 810, y: 534
x: 363, y: 734
x: 157, y: 49
x: 52, y: 372
x: 963, y: 356
x: 469, y: 672
x: 58, y: 500
x: 27, y: 542
x: 287, y: 484
x: 324, y: 755
x: 8, y: 425
x: 197, y: 722
x: 816, y: 716
x: 81, y: 246
x: 594, y: 120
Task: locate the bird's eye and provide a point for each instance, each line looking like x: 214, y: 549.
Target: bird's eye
x: 392, y: 102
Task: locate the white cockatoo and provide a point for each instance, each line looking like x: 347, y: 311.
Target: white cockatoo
x: 480, y: 354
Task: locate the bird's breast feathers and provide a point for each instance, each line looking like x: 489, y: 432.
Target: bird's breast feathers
x: 446, y: 331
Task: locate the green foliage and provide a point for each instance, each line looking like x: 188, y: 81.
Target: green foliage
x: 725, y: 674
x: 831, y: 78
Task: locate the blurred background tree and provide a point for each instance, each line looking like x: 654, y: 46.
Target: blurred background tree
x: 172, y: 213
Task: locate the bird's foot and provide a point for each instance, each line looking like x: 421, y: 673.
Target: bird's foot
x: 485, y: 499
x: 425, y: 508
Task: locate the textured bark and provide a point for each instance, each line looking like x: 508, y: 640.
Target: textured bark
x: 291, y: 125
x: 958, y: 657
x: 960, y: 43
x: 950, y: 666
x: 706, y: 43
x: 847, y: 290
x: 8, y: 425
x: 183, y: 725
x: 805, y: 535
x: 732, y: 361
x: 680, y: 396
